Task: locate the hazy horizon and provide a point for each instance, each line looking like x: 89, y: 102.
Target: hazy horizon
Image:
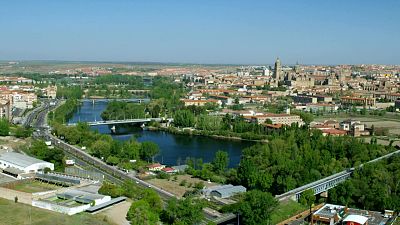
x: 207, y: 32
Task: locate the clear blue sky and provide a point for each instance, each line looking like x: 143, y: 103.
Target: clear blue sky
x: 200, y: 31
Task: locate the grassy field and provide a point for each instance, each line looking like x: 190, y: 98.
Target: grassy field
x: 34, y: 186
x: 286, y: 210
x: 392, y: 124
x: 21, y: 214
x: 174, y: 187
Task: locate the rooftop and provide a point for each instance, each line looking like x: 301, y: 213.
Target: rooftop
x: 19, y: 159
x: 356, y: 218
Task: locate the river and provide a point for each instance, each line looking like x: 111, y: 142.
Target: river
x: 173, y: 148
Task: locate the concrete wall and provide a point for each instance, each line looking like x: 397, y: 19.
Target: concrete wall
x: 59, y: 208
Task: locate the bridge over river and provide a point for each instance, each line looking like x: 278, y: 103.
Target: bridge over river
x: 126, y: 121
x: 327, y: 183
x: 135, y: 100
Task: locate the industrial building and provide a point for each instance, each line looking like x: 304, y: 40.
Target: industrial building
x: 15, y: 164
x: 224, y: 191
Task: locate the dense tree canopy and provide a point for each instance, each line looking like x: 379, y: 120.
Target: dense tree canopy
x: 299, y: 156
x: 375, y: 186
x: 123, y: 110
x: 183, y: 211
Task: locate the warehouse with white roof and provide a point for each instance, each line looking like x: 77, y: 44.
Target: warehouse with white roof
x: 16, y: 163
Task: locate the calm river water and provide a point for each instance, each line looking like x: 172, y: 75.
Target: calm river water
x: 173, y: 148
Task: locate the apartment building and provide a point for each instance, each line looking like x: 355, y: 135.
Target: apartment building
x: 285, y: 119
x: 358, y: 101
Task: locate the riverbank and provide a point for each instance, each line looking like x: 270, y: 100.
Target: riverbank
x: 194, y: 132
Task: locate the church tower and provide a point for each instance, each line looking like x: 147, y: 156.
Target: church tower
x: 277, y: 71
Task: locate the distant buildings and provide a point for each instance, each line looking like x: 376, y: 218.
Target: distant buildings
x: 50, y: 92
x: 189, y: 102
x: 334, y: 128
x: 358, y: 101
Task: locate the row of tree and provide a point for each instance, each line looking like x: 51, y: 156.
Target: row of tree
x: 104, y: 147
x: 64, y: 112
x: 68, y: 92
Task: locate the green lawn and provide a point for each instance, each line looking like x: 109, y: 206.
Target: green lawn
x: 286, y: 210
x: 34, y: 186
x: 21, y: 214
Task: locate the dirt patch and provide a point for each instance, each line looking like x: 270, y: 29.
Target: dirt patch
x: 117, y: 213
x: 175, y: 187
x: 12, y: 143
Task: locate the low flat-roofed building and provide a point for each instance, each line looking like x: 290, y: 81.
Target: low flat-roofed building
x: 285, y: 119
x: 328, y: 214
x: 180, y: 168
x: 155, y: 167
x: 355, y: 220
x: 23, y: 163
x: 358, y: 101
x: 223, y: 191
x: 228, y: 191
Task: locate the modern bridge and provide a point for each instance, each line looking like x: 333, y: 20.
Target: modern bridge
x: 136, y: 100
x: 126, y: 121
x: 327, y: 183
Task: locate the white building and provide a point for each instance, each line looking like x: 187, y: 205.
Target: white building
x: 24, y: 163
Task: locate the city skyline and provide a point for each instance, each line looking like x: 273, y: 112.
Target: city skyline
x: 234, y: 32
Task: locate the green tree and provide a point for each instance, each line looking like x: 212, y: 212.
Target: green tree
x: 4, y: 127
x: 307, y: 198
x: 141, y: 213
x: 40, y: 150
x: 184, y: 211
x: 184, y: 118
x: 221, y: 161
x: 148, y: 150
x: 113, y: 160
x: 101, y: 148
x: 21, y: 132
x: 256, y: 207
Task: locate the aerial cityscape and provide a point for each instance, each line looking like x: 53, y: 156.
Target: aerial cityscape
x: 200, y: 113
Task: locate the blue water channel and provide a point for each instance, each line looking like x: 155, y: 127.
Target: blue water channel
x: 174, y: 148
